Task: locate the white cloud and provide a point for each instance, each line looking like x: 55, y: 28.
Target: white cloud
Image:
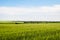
x: 37, y: 13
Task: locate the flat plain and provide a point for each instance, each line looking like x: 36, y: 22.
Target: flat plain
x: 41, y: 31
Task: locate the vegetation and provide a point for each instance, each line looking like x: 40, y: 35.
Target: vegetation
x: 41, y: 31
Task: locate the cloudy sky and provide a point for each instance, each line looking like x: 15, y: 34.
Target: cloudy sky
x: 30, y: 10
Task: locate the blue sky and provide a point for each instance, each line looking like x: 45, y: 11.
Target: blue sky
x: 30, y: 10
x: 28, y: 2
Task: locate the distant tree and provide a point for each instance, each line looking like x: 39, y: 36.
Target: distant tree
x: 16, y: 23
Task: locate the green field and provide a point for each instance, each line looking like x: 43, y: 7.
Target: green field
x: 41, y: 31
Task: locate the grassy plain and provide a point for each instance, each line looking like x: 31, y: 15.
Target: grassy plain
x: 41, y: 31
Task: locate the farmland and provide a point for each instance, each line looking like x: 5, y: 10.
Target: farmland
x: 29, y: 31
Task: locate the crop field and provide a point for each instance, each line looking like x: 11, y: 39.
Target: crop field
x: 41, y: 31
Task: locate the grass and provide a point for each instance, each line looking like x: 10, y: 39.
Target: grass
x: 42, y: 31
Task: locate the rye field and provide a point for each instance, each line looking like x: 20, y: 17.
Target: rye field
x: 41, y: 31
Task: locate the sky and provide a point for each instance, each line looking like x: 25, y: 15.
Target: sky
x: 29, y: 10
